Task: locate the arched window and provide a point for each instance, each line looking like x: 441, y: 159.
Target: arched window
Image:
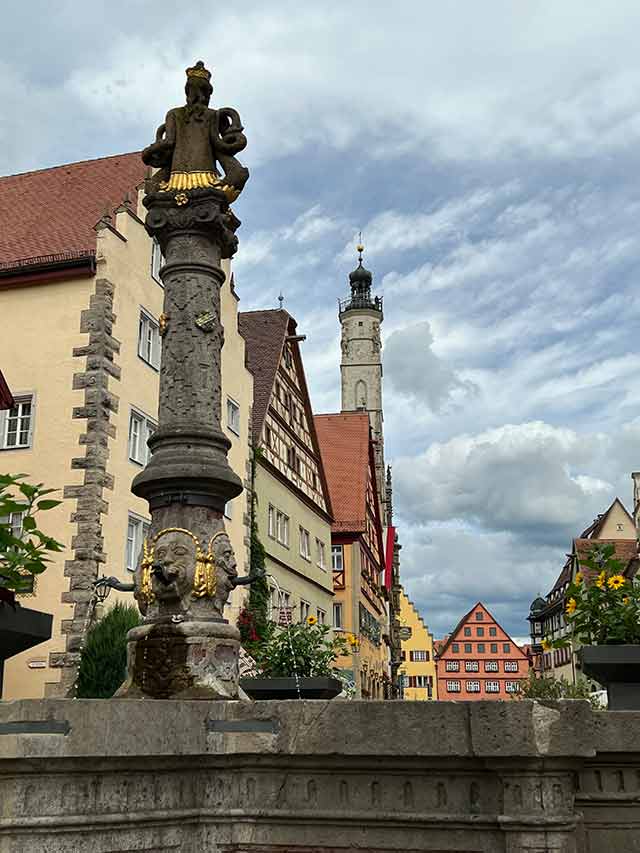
x: 361, y: 394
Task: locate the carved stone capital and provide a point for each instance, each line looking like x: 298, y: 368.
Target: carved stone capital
x: 199, y: 211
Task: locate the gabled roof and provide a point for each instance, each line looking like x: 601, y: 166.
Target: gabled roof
x: 597, y: 524
x: 346, y: 449
x: 625, y: 549
x: 454, y: 634
x: 265, y: 334
x: 52, y: 213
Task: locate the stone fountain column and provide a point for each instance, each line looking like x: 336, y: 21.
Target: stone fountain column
x: 185, y: 648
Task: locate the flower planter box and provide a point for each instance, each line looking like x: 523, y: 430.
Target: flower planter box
x: 286, y: 688
x: 618, y: 669
x: 21, y: 629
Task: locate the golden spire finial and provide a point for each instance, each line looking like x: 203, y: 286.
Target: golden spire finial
x: 360, y: 246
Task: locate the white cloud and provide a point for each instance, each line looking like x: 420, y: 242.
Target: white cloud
x: 530, y: 479
x: 416, y: 372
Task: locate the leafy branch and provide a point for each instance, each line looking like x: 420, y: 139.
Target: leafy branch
x: 22, y: 557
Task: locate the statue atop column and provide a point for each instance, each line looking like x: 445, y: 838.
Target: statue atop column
x: 194, y: 139
x: 184, y: 647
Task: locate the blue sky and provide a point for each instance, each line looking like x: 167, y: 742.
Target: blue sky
x: 489, y: 153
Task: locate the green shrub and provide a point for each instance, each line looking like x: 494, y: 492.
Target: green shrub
x: 547, y: 687
x: 103, y: 662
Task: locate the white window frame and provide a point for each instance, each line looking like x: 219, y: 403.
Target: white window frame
x: 511, y: 666
x: 305, y: 610
x: 233, y: 416
x: 453, y: 687
x: 419, y: 655
x: 321, y: 615
x: 491, y: 666
x: 149, y: 341
x: 305, y: 543
x: 472, y: 666
x: 322, y: 562
x: 157, y: 261
x: 422, y: 680
x: 271, y: 521
x: 337, y: 556
x: 492, y: 687
x: 452, y: 666
x: 137, y: 529
x: 7, y: 417
x: 472, y: 687
x: 512, y: 686
x: 282, y: 528
x: 146, y: 427
x: 337, y: 615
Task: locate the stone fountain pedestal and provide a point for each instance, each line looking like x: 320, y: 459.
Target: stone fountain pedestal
x: 182, y: 660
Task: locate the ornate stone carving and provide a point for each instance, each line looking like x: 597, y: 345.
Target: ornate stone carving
x: 185, y: 648
x: 193, y: 140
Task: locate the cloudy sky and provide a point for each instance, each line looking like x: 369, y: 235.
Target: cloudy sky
x: 490, y: 154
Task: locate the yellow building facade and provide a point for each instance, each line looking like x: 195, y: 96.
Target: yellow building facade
x: 418, y: 669
x: 80, y: 344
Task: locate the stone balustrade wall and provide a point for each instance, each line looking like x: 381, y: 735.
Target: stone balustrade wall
x: 311, y: 777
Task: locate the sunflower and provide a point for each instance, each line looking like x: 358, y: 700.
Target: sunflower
x: 546, y: 645
x: 571, y: 606
x: 615, y: 582
x: 578, y: 578
x: 601, y: 579
x: 626, y: 600
x: 311, y: 620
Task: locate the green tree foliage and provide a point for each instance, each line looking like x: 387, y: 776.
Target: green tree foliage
x: 21, y: 558
x: 254, y: 619
x: 103, y: 662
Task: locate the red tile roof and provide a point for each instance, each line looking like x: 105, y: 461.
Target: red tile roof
x: 6, y: 398
x: 344, y: 445
x: 53, y: 212
x: 264, y: 333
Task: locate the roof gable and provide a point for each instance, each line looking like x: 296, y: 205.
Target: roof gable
x: 264, y: 333
x: 53, y: 212
x: 270, y: 336
x: 457, y: 635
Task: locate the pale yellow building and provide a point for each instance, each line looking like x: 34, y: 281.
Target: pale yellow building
x: 80, y: 298
x: 418, y: 668
x: 293, y: 510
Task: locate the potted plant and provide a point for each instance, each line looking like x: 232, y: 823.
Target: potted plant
x: 23, y: 555
x: 603, y: 613
x: 297, y: 661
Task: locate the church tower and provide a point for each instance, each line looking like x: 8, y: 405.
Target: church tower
x: 361, y: 366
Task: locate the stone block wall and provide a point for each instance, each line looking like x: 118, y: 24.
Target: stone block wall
x: 312, y: 777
